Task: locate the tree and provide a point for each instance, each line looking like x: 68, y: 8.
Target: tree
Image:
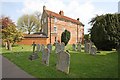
x: 65, y: 37
x: 105, y: 32
x: 38, y: 16
x: 86, y: 37
x: 28, y: 23
x: 9, y: 32
x: 5, y: 21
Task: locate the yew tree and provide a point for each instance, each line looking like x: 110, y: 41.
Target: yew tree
x: 105, y: 32
x: 65, y: 37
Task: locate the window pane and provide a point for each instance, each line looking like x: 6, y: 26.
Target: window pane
x: 55, y: 20
x: 55, y: 29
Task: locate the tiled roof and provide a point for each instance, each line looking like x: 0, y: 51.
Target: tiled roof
x: 39, y: 35
x: 63, y: 17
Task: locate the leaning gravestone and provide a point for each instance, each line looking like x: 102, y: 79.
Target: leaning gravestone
x: 79, y: 47
x: 63, y: 61
x: 38, y: 47
x: 74, y: 47
x: 49, y: 46
x: 57, y: 48
x: 45, y: 56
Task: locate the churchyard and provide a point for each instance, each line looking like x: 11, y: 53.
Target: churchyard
x: 46, y: 61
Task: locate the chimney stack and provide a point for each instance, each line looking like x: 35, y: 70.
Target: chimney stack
x: 61, y: 13
x: 44, y: 7
x: 78, y: 19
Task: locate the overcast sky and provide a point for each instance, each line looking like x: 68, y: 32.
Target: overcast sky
x: 83, y: 9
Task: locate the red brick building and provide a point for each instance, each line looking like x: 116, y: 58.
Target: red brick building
x: 53, y: 24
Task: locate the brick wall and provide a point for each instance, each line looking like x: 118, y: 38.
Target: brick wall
x: 61, y: 26
x: 29, y: 41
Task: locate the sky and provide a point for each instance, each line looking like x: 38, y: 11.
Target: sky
x: 85, y: 10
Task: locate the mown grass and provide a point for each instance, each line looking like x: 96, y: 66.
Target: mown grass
x: 82, y: 65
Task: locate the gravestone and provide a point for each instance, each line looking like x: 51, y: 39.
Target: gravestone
x: 34, y: 55
x: 78, y: 47
x: 93, y: 50
x: 38, y: 47
x: 63, y: 61
x: 62, y: 46
x: 45, y: 56
x: 42, y: 47
x: 57, y: 48
x: 90, y: 46
x: 49, y: 46
x: 34, y: 45
x: 74, y: 47
x: 87, y: 47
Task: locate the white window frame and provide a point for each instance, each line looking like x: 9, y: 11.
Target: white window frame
x: 55, y: 29
x: 55, y: 20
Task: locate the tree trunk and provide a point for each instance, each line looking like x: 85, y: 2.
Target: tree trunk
x: 6, y: 45
x: 9, y: 47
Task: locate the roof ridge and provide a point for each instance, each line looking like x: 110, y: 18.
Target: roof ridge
x: 62, y: 16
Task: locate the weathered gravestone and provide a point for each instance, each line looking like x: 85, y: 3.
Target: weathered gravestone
x: 57, y: 47
x: 63, y: 61
x: 38, y: 47
x: 42, y: 47
x: 93, y: 50
x: 90, y: 46
x: 78, y: 47
x: 85, y: 46
x: 74, y: 47
x: 34, y: 55
x: 45, y: 56
x: 62, y: 46
x: 49, y: 46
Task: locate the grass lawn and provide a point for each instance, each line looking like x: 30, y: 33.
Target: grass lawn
x: 82, y: 65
